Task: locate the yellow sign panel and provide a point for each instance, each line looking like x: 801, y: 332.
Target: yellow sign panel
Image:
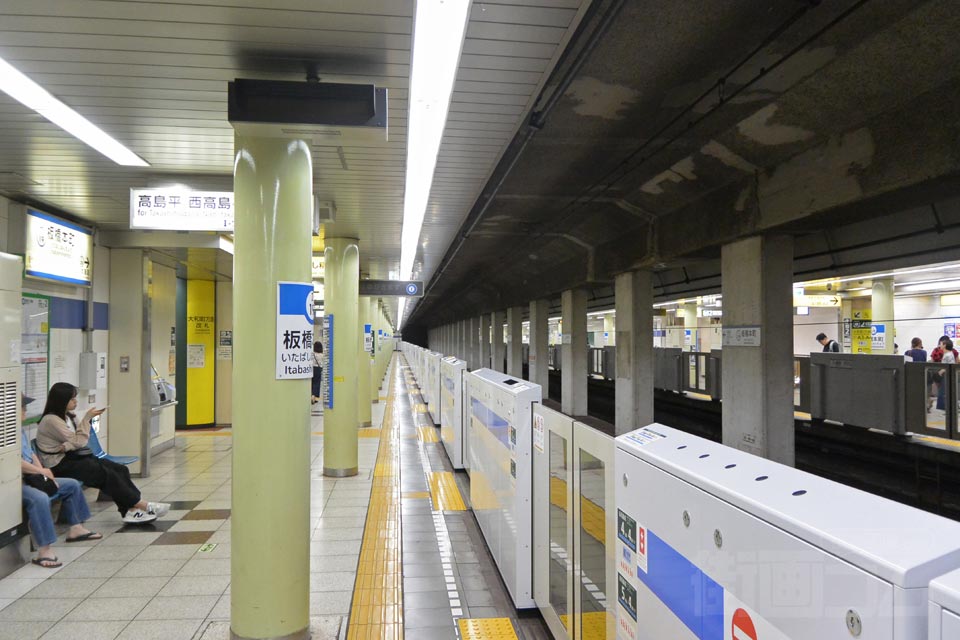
x: 800, y: 300
x: 861, y: 332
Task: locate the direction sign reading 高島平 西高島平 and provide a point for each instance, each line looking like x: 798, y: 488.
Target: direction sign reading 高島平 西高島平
x: 294, y: 330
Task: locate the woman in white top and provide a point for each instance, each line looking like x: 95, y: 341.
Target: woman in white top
x: 62, y: 444
x: 317, y: 380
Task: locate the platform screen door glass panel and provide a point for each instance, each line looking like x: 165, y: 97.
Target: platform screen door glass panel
x: 561, y: 549
x: 937, y: 401
x: 593, y: 553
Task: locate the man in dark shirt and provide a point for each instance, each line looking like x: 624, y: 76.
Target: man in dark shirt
x: 828, y: 344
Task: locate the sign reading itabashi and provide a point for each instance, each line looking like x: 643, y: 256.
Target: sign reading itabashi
x: 180, y: 209
x: 294, y: 330
x: 58, y: 250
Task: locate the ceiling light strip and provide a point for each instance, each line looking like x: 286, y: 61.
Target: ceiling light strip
x: 438, y: 30
x: 32, y: 95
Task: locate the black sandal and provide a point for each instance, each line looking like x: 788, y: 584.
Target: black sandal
x: 89, y: 535
x: 54, y: 562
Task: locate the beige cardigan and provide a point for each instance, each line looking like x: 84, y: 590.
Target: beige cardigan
x: 53, y: 434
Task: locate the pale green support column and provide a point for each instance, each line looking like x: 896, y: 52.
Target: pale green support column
x: 363, y: 365
x: 341, y: 299
x: 270, y: 536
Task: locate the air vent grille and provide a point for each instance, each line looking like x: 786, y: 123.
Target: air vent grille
x: 9, y: 409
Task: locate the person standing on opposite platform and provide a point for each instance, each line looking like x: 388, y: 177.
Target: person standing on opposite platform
x: 829, y: 346
x: 916, y: 352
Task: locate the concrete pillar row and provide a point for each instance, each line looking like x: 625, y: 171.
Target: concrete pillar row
x: 270, y: 559
x: 515, y: 341
x: 633, y: 294
x: 484, y: 342
x: 573, y: 359
x: 474, y: 356
x: 757, y: 374
x: 497, y: 351
x: 539, y: 358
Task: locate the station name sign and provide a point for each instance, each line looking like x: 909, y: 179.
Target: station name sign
x: 405, y: 288
x: 181, y: 209
x: 58, y: 250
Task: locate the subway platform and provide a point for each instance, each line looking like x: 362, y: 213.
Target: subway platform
x: 394, y: 551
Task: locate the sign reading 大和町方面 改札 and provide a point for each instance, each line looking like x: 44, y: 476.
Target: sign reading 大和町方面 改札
x: 294, y: 330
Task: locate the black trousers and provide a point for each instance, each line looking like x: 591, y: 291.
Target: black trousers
x: 110, y: 477
x: 316, y: 382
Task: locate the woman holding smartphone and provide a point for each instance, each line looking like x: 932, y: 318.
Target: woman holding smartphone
x: 62, y: 443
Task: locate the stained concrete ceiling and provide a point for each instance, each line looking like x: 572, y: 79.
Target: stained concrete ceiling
x: 688, y: 125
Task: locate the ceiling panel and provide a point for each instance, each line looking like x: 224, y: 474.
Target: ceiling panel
x: 154, y: 75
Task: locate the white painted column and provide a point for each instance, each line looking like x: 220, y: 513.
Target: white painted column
x: 634, y: 339
x: 497, y: 346
x: 573, y: 359
x: 881, y: 312
x: 472, y: 346
x: 515, y: 342
x: 484, y: 342
x: 758, y: 380
x: 539, y: 359
x: 690, y: 324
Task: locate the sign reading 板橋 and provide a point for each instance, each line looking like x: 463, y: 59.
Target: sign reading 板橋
x: 181, y: 209
x: 294, y: 330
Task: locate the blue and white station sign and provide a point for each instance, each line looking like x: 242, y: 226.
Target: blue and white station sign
x: 294, y: 330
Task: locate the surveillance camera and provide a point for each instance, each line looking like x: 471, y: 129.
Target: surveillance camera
x: 829, y: 287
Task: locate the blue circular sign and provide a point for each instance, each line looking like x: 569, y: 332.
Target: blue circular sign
x: 412, y: 289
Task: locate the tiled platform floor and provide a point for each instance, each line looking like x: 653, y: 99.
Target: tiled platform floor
x: 171, y: 580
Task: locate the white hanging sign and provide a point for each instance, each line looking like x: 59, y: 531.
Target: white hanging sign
x: 180, y: 209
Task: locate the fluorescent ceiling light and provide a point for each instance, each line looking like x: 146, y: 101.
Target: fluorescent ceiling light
x: 438, y: 30
x: 939, y: 285
x: 24, y: 90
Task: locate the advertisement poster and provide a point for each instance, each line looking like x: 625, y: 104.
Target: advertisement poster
x: 35, y: 351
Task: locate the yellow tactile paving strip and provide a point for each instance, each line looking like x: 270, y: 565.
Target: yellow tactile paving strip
x: 416, y: 495
x: 368, y: 432
x: 444, y: 492
x: 377, y: 610
x: 593, y: 625
x: 187, y: 433
x: 592, y: 517
x: 427, y: 434
x: 486, y: 629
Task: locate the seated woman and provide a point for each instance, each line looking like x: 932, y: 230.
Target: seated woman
x: 63, y: 449
x: 73, y: 506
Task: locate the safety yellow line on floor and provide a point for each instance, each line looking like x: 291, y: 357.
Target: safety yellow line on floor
x: 593, y: 624
x: 427, y: 434
x: 194, y: 434
x: 486, y: 629
x: 444, y: 492
x: 368, y: 432
x: 377, y: 609
x: 592, y: 516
